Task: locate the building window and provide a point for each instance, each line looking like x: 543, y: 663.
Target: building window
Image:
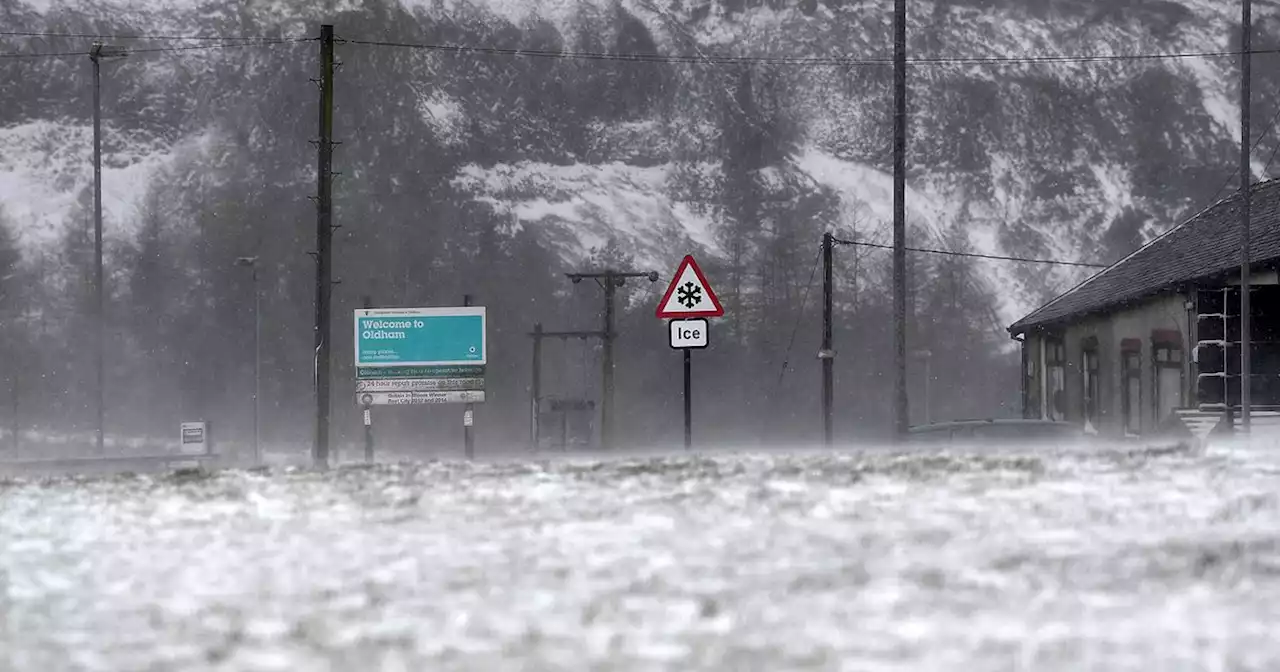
x: 1131, y: 375
x: 1089, y: 380
x: 1167, y: 360
x: 1055, y: 358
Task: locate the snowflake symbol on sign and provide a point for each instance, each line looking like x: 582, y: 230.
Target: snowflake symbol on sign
x: 689, y: 294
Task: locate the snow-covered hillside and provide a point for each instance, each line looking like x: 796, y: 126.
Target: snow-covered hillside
x: 1063, y: 160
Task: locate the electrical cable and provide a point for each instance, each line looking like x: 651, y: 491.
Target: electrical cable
x: 156, y: 50
x: 799, y: 60
x: 1235, y: 172
x: 975, y: 255
x: 804, y: 302
x: 146, y: 36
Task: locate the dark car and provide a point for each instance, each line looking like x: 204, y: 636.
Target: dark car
x: 996, y: 431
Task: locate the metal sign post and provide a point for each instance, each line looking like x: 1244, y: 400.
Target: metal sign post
x: 468, y: 413
x: 688, y: 401
x: 688, y: 335
x: 368, y: 434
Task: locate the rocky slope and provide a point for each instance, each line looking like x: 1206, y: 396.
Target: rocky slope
x: 1062, y: 160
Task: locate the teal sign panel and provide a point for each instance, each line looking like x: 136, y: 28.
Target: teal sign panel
x: 409, y: 337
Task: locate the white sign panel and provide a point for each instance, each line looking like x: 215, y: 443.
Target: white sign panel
x: 688, y: 333
x: 419, y: 384
x: 194, y: 438
x: 416, y: 398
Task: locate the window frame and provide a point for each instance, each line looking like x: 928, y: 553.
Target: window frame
x: 1131, y: 371
x: 1169, y: 343
x: 1090, y: 367
x: 1055, y: 357
x: 1032, y: 404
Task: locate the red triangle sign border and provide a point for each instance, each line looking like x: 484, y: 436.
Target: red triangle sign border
x: 717, y: 311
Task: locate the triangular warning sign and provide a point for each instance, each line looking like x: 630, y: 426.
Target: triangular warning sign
x: 689, y: 294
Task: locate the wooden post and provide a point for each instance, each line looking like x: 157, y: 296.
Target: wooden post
x: 827, y: 354
x: 535, y: 389
x: 468, y: 414
x: 900, y: 219
x: 368, y: 410
x: 324, y: 238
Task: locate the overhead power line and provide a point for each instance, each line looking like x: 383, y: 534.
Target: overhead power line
x: 155, y: 50
x: 798, y: 60
x: 45, y: 54
x: 974, y: 255
x: 656, y: 57
x: 147, y: 36
x: 795, y: 329
x: 240, y: 45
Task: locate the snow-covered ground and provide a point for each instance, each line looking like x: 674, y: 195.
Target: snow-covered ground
x: 987, y: 560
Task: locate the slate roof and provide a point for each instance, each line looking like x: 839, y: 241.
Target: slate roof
x: 1202, y: 247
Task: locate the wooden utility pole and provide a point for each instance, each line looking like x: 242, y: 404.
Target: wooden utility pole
x: 98, y: 52
x: 535, y: 388
x: 900, y: 218
x: 99, y: 315
x: 610, y: 280
x: 611, y: 284
x: 1246, y: 179
x: 16, y: 427
x: 827, y: 354
x: 253, y: 263
x: 324, y: 240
